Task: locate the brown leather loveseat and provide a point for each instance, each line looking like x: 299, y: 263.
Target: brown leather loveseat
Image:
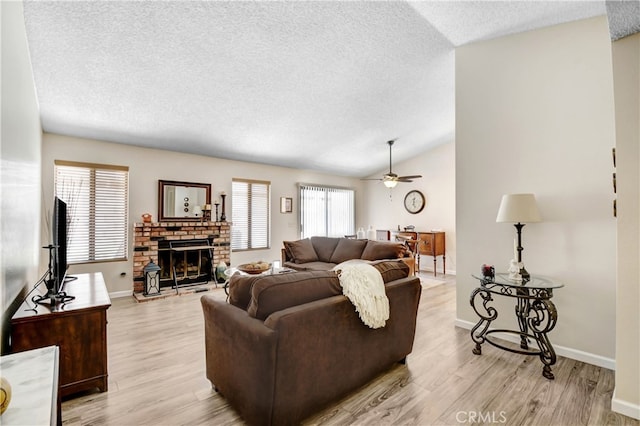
x: 323, y: 253
x: 287, y: 345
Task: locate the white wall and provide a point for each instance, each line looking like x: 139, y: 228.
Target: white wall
x: 626, y: 67
x: 147, y: 166
x: 534, y: 113
x: 20, y: 166
x: 384, y: 208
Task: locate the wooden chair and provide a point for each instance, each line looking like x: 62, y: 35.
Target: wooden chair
x: 410, y: 240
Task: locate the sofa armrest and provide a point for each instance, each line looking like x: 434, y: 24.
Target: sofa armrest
x: 240, y: 358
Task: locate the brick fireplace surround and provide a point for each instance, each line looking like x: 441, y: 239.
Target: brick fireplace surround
x: 147, y: 237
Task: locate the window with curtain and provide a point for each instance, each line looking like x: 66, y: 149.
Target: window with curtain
x: 326, y: 211
x: 97, y: 209
x: 250, y: 214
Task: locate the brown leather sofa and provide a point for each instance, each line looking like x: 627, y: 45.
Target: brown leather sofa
x: 287, y: 345
x: 323, y: 253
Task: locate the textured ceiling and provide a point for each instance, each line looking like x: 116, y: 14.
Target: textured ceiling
x: 315, y: 85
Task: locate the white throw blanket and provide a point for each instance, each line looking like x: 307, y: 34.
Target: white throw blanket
x: 363, y: 286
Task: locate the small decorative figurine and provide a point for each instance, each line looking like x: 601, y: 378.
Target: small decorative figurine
x: 514, y: 271
x: 146, y: 218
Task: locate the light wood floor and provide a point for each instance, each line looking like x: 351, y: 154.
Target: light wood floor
x: 156, y: 377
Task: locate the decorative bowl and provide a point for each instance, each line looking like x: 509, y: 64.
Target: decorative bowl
x: 254, y: 268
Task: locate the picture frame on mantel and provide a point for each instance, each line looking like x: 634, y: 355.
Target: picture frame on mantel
x: 286, y: 205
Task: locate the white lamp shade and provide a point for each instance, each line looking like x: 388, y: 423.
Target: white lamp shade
x: 389, y: 183
x: 518, y: 208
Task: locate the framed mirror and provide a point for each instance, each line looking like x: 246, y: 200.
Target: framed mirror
x: 182, y: 200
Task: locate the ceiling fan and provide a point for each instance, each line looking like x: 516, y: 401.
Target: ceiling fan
x: 391, y: 179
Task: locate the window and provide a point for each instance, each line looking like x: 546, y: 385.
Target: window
x: 326, y: 211
x: 97, y: 210
x: 250, y: 214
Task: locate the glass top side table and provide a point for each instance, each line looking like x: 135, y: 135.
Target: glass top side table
x: 535, y: 312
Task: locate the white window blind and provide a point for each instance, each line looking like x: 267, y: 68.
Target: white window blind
x: 250, y: 214
x: 326, y: 211
x: 97, y: 210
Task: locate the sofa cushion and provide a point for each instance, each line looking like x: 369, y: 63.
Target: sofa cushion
x: 309, y: 266
x: 391, y: 270
x: 301, y: 251
x: 348, y: 249
x: 272, y: 293
x: 324, y: 247
x: 240, y: 290
x: 376, y: 250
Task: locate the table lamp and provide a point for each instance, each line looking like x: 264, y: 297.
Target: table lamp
x: 519, y: 209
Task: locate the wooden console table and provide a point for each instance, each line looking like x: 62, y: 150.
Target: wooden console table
x: 77, y: 327
x: 432, y: 244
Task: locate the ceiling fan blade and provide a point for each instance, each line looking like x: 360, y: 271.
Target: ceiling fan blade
x: 387, y: 177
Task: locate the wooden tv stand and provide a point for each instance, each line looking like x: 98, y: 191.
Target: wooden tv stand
x: 77, y: 327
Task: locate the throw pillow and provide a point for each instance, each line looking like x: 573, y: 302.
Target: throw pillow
x: 273, y: 293
x: 348, y: 249
x: 376, y: 250
x: 301, y: 251
x: 240, y: 290
x: 324, y: 247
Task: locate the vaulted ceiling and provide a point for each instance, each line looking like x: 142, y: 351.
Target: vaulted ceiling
x: 316, y: 85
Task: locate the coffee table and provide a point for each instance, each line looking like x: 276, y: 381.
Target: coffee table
x: 232, y: 271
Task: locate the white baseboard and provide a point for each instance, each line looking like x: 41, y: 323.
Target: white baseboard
x: 117, y: 294
x: 624, y: 407
x: 576, y: 354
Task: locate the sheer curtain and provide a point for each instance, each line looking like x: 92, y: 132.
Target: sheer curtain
x: 326, y: 211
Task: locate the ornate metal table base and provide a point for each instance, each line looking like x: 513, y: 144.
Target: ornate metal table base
x: 535, y: 312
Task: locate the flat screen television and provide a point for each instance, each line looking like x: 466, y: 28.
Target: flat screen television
x: 57, y: 270
x: 59, y: 241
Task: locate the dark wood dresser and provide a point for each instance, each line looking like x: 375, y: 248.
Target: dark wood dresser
x: 77, y: 327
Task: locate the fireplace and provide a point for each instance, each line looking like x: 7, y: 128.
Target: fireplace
x: 186, y: 252
x: 185, y: 262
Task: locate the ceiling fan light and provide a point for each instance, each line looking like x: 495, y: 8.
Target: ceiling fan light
x: 390, y: 183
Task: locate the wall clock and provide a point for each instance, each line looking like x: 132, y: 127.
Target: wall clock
x: 414, y: 201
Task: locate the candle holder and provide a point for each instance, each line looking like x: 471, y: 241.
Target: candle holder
x: 223, y: 216
x: 216, y: 204
x: 206, y: 212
